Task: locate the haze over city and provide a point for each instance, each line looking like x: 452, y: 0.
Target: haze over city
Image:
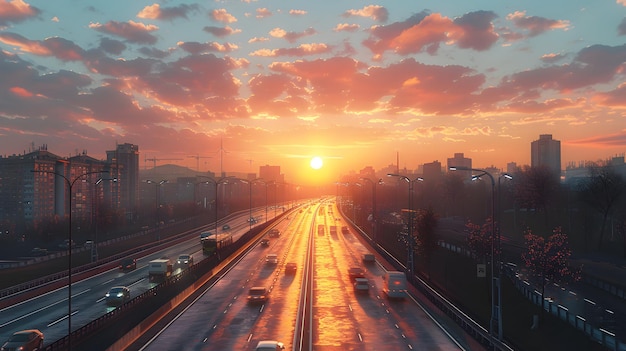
x: 278, y: 83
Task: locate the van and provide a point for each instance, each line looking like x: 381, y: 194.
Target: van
x: 394, y: 284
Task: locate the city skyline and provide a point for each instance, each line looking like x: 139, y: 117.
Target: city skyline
x: 234, y: 85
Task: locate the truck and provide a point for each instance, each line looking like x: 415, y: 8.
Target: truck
x: 394, y: 284
x: 159, y: 270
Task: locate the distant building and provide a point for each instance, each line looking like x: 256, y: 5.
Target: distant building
x: 35, y: 186
x: 546, y: 152
x: 271, y: 174
x: 125, y: 157
x: 459, y: 160
x: 432, y: 172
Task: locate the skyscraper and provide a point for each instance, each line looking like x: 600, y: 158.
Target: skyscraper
x: 546, y: 152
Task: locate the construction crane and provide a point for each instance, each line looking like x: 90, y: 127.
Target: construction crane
x: 154, y: 160
x: 198, y: 157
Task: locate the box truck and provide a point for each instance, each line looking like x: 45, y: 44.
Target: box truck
x: 395, y: 284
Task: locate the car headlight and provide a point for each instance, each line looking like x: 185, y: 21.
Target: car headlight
x: 107, y: 295
x: 119, y: 294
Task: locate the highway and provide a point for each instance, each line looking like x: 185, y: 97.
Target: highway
x: 315, y: 309
x: 48, y: 311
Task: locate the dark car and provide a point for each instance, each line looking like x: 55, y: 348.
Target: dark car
x: 257, y: 294
x: 356, y: 272
x: 291, y: 268
x: 118, y: 295
x: 25, y: 340
x: 38, y: 252
x: 274, y: 233
x: 265, y: 242
x: 128, y: 264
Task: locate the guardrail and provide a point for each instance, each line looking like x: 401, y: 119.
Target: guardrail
x: 472, y: 327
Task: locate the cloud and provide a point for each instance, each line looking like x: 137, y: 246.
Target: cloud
x: 425, y: 32
x: 112, y: 46
x: 601, y: 141
x: 60, y: 48
x: 291, y: 36
x: 621, y: 28
x: 375, y: 12
x: 302, y: 50
x: 221, y: 31
x: 222, y: 15
x: 263, y: 13
x: 132, y: 31
x: 345, y: 27
x: 536, y: 25
x: 197, y: 48
x: 297, y: 12
x: 16, y: 11
x: 155, y: 11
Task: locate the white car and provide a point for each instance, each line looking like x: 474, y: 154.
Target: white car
x: 269, y: 345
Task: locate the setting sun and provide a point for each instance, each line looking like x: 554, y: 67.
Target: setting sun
x: 316, y: 162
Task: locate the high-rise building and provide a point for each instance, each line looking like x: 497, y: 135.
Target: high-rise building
x: 459, y: 160
x: 546, y: 152
x: 125, y: 157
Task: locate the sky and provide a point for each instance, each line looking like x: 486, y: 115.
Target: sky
x: 234, y: 85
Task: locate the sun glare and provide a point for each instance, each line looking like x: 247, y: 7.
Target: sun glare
x: 316, y: 162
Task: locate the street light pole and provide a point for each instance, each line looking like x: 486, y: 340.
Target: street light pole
x: 70, y: 184
x: 495, y: 321
x: 94, y: 246
x: 374, y: 216
x: 156, y: 199
x: 411, y: 244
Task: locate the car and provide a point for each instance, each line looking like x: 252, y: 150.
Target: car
x: 356, y: 272
x: 38, y: 252
x: 271, y: 259
x: 252, y: 220
x: 291, y: 268
x: 66, y: 244
x: 25, y: 340
x: 88, y: 244
x: 128, y: 264
x: 185, y: 260
x: 269, y: 345
x: 257, y: 294
x: 265, y: 242
x: 118, y: 295
x: 369, y: 258
x: 274, y: 233
x: 225, y: 227
x: 361, y: 285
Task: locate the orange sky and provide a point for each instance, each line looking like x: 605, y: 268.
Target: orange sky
x: 276, y: 83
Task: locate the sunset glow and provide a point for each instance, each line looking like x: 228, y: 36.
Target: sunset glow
x: 266, y: 81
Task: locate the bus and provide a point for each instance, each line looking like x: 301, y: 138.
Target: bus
x: 213, y: 243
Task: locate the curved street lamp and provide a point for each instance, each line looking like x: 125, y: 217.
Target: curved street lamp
x: 410, y: 256
x: 216, y: 182
x: 70, y: 184
x: 495, y: 321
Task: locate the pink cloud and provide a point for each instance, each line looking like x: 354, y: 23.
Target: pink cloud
x: 221, y: 31
x: 302, y: 50
x: 536, y: 25
x: 375, y: 12
x: 425, y: 32
x: 16, y: 11
x: 132, y: 31
x: 222, y: 15
x: 291, y: 36
x: 155, y: 11
x: 263, y: 13
x: 345, y: 27
x: 197, y: 48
